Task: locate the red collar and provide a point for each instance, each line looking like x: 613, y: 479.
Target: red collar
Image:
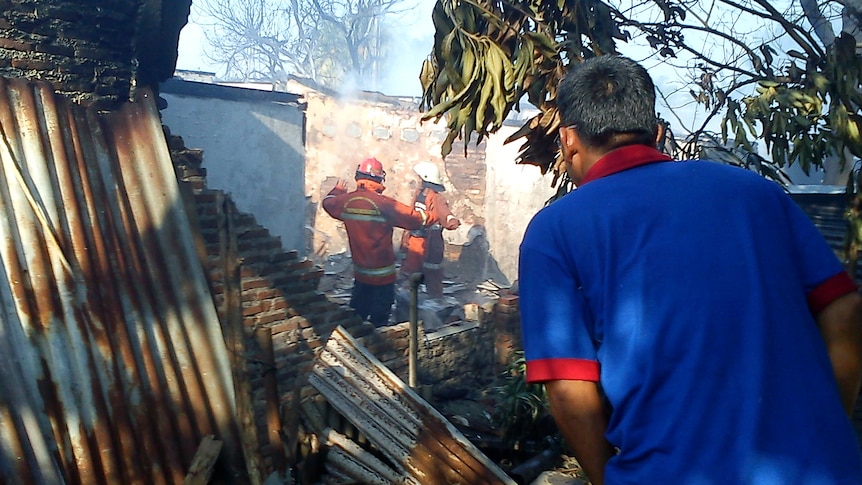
x: 624, y: 158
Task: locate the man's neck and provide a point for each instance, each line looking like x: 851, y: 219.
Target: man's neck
x: 365, y: 184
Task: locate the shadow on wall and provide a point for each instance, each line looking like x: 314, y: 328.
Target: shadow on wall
x: 254, y: 148
x: 475, y: 262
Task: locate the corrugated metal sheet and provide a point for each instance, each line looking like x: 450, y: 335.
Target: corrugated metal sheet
x: 418, y: 442
x: 112, y: 361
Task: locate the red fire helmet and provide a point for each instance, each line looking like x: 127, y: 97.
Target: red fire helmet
x: 372, y: 167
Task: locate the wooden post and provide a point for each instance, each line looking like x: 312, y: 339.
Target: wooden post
x: 270, y: 384
x: 202, y: 465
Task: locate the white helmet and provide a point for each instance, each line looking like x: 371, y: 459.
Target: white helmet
x: 428, y: 172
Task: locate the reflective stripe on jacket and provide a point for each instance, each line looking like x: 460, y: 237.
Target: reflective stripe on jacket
x: 369, y: 218
x: 426, y: 245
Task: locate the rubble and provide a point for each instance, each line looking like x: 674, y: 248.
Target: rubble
x: 462, y: 300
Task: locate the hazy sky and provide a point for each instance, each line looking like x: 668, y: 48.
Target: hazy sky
x: 414, y: 36
x: 413, y: 33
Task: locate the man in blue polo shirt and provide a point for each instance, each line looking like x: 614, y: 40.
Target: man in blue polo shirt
x: 689, y: 322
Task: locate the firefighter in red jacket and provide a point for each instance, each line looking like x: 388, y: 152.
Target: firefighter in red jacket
x: 369, y: 218
x: 424, y: 246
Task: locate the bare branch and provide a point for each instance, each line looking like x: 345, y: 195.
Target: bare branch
x: 321, y: 40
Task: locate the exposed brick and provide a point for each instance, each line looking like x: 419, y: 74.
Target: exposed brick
x: 254, y: 233
x: 283, y: 286
x: 59, y: 50
x: 293, y: 284
x: 16, y: 45
x: 32, y: 64
x: 304, y: 264
x: 315, y: 344
x: 252, y: 259
x: 264, y: 293
x: 81, y: 70
x: 278, y: 304
x: 252, y: 309
x: 288, y: 325
x: 304, y: 298
x: 254, y: 282
x: 269, y: 317
x: 313, y: 275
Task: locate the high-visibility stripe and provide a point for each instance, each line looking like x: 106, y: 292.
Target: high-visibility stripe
x: 366, y: 199
x: 361, y: 214
x: 366, y: 212
x: 362, y: 217
x: 384, y: 271
x: 431, y: 266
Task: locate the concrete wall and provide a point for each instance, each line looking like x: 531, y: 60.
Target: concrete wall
x: 490, y: 193
x: 254, y: 149
x: 342, y: 132
x: 485, y: 188
x: 514, y: 193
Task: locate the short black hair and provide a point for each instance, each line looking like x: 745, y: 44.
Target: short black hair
x: 607, y: 96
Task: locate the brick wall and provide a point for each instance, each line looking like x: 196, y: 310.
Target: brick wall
x: 91, y: 50
x: 471, y: 354
x: 466, y: 169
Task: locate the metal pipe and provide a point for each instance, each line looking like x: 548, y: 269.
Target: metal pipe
x: 415, y: 279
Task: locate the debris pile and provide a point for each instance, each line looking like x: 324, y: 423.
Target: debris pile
x: 459, y: 303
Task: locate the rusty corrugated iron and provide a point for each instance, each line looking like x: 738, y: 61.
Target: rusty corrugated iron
x: 112, y: 360
x: 420, y: 443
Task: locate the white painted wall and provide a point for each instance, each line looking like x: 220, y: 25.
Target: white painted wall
x: 513, y: 195
x: 253, y: 149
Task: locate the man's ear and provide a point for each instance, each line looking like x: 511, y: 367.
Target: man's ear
x: 569, y: 142
x: 659, y: 133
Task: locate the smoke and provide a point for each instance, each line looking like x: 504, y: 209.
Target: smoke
x: 409, y: 41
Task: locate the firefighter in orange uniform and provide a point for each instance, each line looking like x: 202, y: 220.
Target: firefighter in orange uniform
x: 369, y: 217
x: 424, y: 246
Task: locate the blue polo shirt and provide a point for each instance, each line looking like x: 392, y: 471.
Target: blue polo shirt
x: 688, y: 290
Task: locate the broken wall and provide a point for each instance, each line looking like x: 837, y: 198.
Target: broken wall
x: 254, y: 146
x: 91, y: 50
x: 492, y: 195
x: 282, y: 311
x: 341, y: 132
